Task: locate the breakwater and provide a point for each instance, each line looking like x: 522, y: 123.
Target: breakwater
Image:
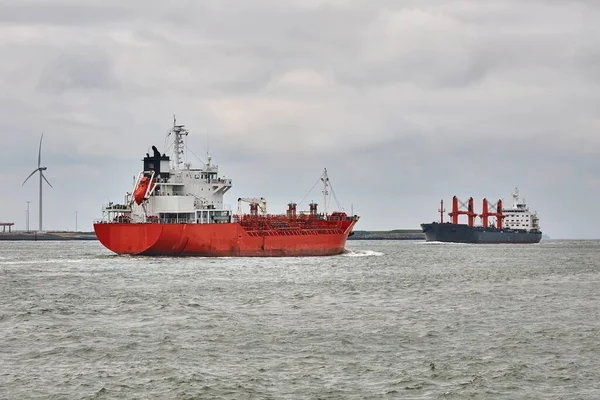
x: 397, y: 234
x: 34, y: 236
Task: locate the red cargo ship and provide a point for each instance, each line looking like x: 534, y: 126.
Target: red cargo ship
x: 177, y: 210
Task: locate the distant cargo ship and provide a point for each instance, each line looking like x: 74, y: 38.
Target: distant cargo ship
x: 513, y: 225
x: 177, y: 210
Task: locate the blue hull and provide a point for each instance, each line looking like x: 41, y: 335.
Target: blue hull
x: 460, y: 233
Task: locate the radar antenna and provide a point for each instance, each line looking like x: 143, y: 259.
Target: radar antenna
x: 178, y: 131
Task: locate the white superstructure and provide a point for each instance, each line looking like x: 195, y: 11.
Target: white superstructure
x: 519, y: 216
x: 171, y: 191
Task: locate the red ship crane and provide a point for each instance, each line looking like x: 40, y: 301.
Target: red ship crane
x: 498, y: 214
x: 255, y: 204
x: 456, y: 211
x: 485, y: 213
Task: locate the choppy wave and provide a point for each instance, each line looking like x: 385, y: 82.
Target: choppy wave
x: 49, y: 261
x: 362, y: 253
x: 387, y: 319
x: 435, y: 243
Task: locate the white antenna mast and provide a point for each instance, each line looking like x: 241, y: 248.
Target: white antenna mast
x: 515, y: 197
x: 179, y: 132
x: 325, y: 180
x: 207, y: 148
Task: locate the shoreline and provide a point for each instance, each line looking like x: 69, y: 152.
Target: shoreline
x: 54, y: 236
x: 400, y: 234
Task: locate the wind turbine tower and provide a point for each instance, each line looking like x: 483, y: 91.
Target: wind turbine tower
x: 39, y: 169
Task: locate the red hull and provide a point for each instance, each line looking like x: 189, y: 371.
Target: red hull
x: 221, y: 240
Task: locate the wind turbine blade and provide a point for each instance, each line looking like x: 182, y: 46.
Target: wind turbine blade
x: 45, y: 179
x: 40, y: 153
x: 30, y: 175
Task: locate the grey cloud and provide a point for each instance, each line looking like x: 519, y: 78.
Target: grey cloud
x: 63, y: 13
x: 404, y: 101
x: 83, y: 69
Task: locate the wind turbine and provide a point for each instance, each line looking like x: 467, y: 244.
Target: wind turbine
x: 39, y: 169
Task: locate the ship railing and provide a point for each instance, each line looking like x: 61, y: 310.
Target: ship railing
x: 225, y: 181
x: 270, y: 221
x: 299, y: 216
x: 151, y: 220
x: 105, y: 221
x: 116, y: 207
x: 286, y: 217
x: 213, y: 220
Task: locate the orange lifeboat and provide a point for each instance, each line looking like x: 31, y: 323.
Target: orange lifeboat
x: 140, y: 190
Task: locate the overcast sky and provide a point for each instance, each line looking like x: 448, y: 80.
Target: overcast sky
x: 404, y: 102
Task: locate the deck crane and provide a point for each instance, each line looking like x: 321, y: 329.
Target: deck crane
x: 255, y: 204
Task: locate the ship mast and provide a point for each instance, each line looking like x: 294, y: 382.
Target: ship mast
x: 325, y: 180
x: 515, y: 197
x: 178, y: 132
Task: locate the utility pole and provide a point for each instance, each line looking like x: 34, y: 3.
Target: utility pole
x: 27, y: 219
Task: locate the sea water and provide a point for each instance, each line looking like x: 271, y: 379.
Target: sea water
x: 385, y: 320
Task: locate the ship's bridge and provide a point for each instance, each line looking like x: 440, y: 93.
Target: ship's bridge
x: 519, y: 216
x: 172, y: 191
